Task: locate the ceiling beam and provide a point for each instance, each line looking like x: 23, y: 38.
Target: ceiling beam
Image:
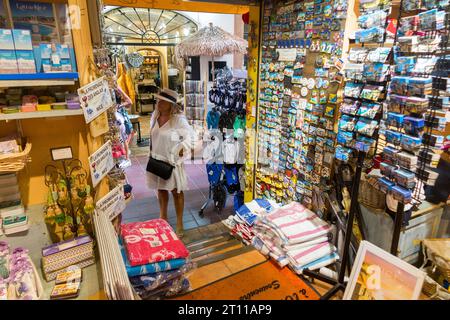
x: 180, y: 5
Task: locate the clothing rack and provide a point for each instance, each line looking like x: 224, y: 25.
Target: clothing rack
x: 228, y: 96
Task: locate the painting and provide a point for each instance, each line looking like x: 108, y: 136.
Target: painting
x: 378, y: 275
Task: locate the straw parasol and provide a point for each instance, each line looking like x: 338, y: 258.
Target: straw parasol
x: 209, y: 41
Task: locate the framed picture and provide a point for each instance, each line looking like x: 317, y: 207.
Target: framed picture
x: 378, y: 275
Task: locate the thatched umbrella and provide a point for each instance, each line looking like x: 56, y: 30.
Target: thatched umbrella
x: 209, y: 41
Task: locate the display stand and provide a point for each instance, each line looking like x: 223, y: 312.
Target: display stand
x: 339, y: 284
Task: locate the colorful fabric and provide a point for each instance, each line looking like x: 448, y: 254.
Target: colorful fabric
x: 151, y: 241
x: 124, y: 81
x: 212, y: 119
x: 150, y: 268
x: 214, y: 172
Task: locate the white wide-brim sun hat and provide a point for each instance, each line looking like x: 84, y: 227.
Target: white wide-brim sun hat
x: 168, y: 95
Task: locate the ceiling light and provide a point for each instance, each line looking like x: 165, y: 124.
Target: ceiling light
x: 186, y: 32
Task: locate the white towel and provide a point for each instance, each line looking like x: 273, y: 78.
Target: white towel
x: 303, y: 256
x: 294, y: 224
x: 317, y: 264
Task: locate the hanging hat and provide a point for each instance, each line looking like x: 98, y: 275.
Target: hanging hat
x: 168, y: 95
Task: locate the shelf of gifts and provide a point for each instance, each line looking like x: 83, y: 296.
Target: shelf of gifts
x: 38, y: 79
x: 40, y: 114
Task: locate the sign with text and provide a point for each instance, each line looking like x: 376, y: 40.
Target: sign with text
x: 100, y: 163
x: 64, y: 153
x: 287, y: 54
x: 95, y: 98
x: 113, y: 203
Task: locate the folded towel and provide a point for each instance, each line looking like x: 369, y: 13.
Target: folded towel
x: 150, y: 268
x: 294, y: 224
x: 151, y: 241
x: 317, y: 264
x: 303, y: 256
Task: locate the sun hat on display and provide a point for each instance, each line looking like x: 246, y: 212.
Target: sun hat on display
x: 168, y: 95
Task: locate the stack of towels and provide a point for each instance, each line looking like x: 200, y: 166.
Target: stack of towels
x: 241, y: 224
x: 294, y: 235
x: 155, y: 259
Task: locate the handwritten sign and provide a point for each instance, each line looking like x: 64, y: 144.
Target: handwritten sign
x: 287, y: 54
x: 95, y: 98
x: 113, y: 203
x: 100, y: 163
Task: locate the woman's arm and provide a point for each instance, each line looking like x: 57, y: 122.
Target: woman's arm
x: 127, y: 99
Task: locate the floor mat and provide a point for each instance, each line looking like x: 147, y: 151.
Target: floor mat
x: 264, y: 281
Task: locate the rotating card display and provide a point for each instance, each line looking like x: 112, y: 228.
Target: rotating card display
x: 367, y: 73
x: 300, y: 77
x: 417, y: 101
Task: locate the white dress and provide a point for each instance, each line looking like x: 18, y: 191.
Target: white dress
x: 166, y: 143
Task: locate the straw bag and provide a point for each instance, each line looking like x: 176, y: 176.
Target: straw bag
x: 436, y: 251
x: 370, y: 196
x: 13, y: 162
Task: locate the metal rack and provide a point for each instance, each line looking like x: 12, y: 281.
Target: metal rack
x: 439, y: 76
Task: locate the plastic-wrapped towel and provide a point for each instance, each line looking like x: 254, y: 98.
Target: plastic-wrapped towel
x: 251, y: 210
x: 259, y: 245
x: 150, y: 268
x: 303, y: 244
x: 317, y: 264
x: 309, y: 254
x: 172, y: 288
x: 294, y: 223
x: 151, y: 241
x: 151, y: 282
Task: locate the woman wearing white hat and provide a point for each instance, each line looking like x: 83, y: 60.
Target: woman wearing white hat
x: 171, y: 138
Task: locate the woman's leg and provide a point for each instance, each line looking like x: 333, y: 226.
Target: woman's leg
x: 178, y: 199
x: 163, y: 197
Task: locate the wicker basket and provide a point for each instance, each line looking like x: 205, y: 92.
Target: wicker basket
x: 369, y: 196
x: 14, y: 162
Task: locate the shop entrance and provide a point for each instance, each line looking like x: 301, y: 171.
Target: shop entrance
x: 144, y: 41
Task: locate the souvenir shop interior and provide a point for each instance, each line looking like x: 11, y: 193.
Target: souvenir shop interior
x: 312, y: 160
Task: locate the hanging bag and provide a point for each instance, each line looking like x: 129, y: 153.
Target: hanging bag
x: 157, y: 167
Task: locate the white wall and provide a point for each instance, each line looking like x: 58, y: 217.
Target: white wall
x: 224, y: 21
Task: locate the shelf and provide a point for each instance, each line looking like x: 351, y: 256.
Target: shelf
x: 38, y: 79
x: 40, y: 114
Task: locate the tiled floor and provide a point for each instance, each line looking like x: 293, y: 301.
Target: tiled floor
x: 145, y: 203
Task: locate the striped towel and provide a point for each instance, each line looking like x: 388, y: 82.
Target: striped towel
x: 280, y: 259
x: 289, y: 247
x: 294, y: 224
x: 317, y: 264
x: 303, y: 256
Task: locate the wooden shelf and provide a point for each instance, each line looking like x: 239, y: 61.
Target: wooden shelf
x: 40, y: 114
x: 38, y: 79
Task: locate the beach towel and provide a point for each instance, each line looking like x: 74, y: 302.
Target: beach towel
x: 151, y: 241
x: 150, y: 268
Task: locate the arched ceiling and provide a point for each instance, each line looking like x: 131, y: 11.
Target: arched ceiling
x: 145, y: 25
